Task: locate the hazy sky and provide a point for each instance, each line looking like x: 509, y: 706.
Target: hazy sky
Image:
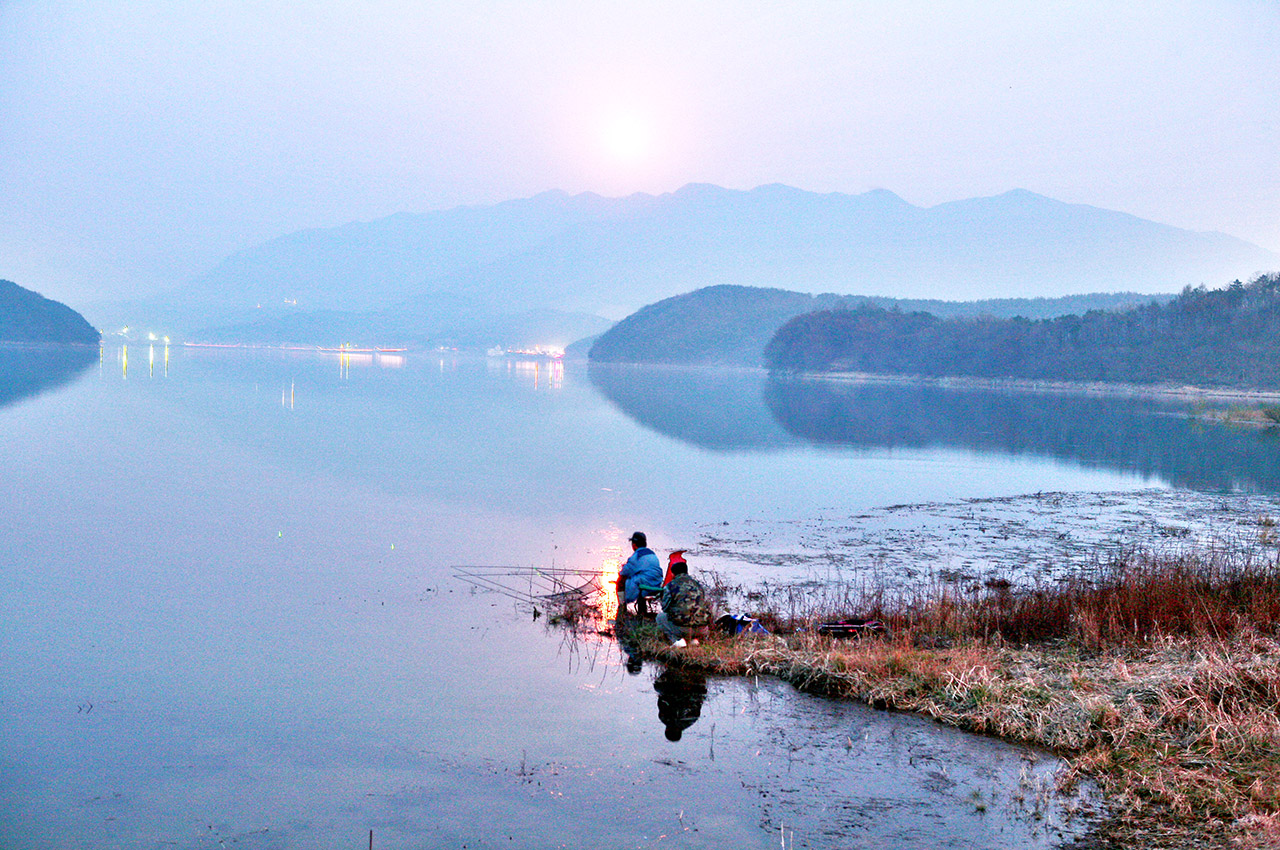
x: 140, y: 142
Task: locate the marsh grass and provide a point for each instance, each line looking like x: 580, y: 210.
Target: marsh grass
x: 1134, y: 598
x: 1155, y: 675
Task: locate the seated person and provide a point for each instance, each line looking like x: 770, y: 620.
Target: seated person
x: 686, y: 611
x: 642, y: 568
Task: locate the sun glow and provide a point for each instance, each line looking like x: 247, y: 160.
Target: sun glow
x: 627, y: 137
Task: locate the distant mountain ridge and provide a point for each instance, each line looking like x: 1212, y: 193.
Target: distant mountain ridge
x: 28, y: 317
x: 586, y: 254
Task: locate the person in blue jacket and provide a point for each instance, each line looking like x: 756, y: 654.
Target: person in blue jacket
x: 642, y: 568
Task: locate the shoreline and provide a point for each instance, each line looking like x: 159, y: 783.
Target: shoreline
x: 1088, y: 388
x: 1104, y: 715
x: 1157, y: 678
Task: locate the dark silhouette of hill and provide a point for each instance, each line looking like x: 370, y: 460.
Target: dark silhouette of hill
x: 714, y: 325
x: 730, y: 325
x: 29, y: 317
x: 610, y: 256
x: 1211, y: 337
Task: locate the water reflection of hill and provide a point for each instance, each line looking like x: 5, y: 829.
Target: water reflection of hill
x: 735, y: 410
x: 716, y: 409
x: 27, y: 372
x: 1144, y: 436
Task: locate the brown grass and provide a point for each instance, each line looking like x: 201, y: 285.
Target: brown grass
x: 1133, y: 599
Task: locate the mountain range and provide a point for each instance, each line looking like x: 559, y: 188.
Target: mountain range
x: 578, y: 256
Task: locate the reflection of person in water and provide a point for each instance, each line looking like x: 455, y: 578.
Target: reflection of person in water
x: 623, y: 631
x: 680, y: 696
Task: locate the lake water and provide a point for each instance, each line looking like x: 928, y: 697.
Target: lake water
x: 228, y: 616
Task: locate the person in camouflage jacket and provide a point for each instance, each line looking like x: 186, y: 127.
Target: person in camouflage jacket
x: 686, y: 611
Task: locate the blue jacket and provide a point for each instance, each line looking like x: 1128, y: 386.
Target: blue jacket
x: 642, y: 567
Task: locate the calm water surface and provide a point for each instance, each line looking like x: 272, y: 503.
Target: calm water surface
x: 228, y: 617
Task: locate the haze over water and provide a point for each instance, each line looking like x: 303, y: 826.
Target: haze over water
x: 229, y: 610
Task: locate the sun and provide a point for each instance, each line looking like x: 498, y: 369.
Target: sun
x: 627, y: 137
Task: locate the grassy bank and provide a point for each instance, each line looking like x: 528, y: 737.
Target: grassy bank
x: 1157, y: 676
x: 1266, y: 416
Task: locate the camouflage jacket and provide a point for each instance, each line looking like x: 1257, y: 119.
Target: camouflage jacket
x: 685, y: 602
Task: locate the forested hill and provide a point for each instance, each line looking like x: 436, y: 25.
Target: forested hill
x: 28, y: 317
x: 730, y: 325
x: 1207, y: 337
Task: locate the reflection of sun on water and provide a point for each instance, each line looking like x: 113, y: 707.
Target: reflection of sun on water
x: 609, y: 565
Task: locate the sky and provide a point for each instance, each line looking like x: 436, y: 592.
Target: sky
x: 142, y: 142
